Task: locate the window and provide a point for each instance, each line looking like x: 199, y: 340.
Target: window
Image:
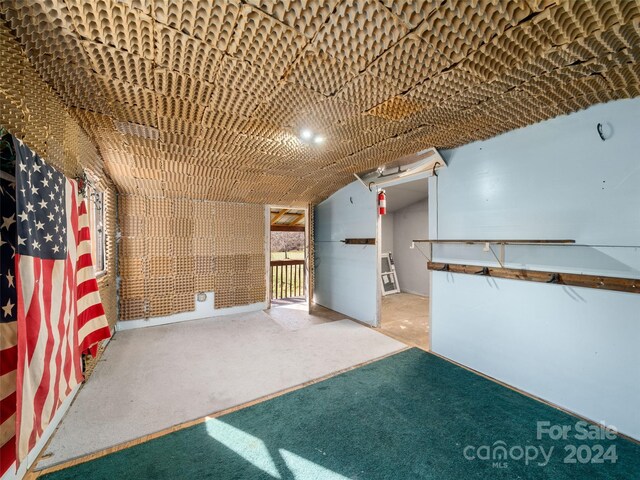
x: 96, y: 221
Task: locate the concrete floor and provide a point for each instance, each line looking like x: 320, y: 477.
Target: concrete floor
x: 153, y: 378
x: 405, y: 317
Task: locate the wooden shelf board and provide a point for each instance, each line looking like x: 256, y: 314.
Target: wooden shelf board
x: 502, y: 242
x: 629, y: 285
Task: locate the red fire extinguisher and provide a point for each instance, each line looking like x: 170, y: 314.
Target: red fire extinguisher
x: 382, y: 203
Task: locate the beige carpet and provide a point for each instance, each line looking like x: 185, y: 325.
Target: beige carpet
x: 153, y: 378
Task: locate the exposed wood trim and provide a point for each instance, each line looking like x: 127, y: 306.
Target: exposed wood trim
x: 279, y: 215
x: 287, y: 228
x: 514, y: 242
x: 630, y: 285
x: 299, y: 220
x: 359, y: 241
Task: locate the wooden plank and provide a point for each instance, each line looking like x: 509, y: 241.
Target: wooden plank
x: 506, y: 242
x: 275, y: 263
x: 617, y: 284
x: 359, y: 241
x: 287, y: 228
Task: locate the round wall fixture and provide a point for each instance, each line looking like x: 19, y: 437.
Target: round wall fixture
x: 605, y: 131
x: 201, y: 297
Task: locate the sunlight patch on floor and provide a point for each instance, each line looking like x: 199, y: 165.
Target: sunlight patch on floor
x: 303, y: 469
x: 251, y: 448
x: 255, y: 451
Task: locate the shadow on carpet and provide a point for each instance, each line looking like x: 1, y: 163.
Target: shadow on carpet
x: 409, y: 416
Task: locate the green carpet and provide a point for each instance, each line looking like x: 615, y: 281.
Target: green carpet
x: 409, y: 416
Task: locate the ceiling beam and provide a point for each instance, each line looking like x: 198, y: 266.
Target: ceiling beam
x: 287, y: 228
x: 279, y: 215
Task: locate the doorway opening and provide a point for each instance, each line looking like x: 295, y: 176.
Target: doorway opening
x: 404, y: 278
x: 288, y: 257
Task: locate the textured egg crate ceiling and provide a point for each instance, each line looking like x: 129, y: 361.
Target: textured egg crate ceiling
x: 206, y: 99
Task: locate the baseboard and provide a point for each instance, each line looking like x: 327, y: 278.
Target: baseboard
x: 533, y: 396
x: 423, y: 295
x: 32, y: 456
x: 198, y: 314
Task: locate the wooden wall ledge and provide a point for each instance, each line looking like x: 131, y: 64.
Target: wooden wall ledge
x: 630, y: 285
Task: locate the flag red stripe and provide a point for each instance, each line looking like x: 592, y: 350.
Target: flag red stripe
x: 8, y: 359
x: 7, y: 407
x: 7, y: 455
x: 87, y: 287
x: 32, y: 317
x: 84, y: 234
x: 93, y: 311
x: 94, y: 337
x: 44, y: 386
x: 85, y: 261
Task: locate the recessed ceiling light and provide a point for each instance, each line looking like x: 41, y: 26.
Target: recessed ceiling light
x: 318, y: 139
x: 306, y: 134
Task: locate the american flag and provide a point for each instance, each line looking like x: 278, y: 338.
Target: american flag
x: 8, y: 323
x: 48, y: 358
x: 92, y: 322
x: 55, y: 292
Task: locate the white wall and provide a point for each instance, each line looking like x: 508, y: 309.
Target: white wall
x: 575, y: 347
x: 386, y: 234
x: 346, y: 276
x: 411, y: 223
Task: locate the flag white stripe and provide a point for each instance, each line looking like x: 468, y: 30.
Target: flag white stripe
x: 33, y: 371
x: 91, y: 326
x: 85, y: 274
x: 8, y: 335
x: 7, y: 385
x: 84, y: 248
x: 27, y: 275
x: 7, y: 429
x: 87, y: 301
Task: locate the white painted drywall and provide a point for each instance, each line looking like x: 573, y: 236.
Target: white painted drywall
x: 575, y: 347
x: 386, y: 233
x: 411, y: 223
x: 346, y: 276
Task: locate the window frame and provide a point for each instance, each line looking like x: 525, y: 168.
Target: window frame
x: 97, y: 226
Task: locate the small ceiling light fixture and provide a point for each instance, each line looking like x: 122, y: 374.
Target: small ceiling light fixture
x: 309, y: 136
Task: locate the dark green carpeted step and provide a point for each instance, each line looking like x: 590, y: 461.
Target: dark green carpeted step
x: 409, y: 416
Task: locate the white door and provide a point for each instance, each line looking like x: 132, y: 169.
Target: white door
x: 346, y: 276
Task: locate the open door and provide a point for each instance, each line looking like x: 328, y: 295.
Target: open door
x: 346, y: 276
x: 288, y: 253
